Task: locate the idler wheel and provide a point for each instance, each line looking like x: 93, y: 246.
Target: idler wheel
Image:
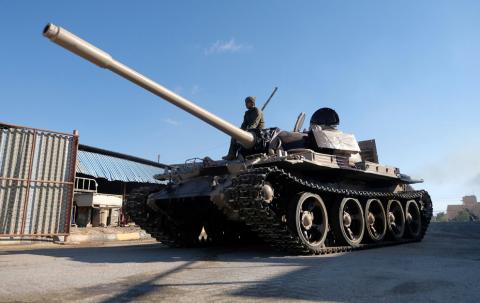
x: 395, y: 219
x: 348, y: 222
x: 308, y: 218
x: 413, y: 219
x: 375, y: 220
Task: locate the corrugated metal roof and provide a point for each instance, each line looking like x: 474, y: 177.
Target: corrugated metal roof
x: 115, y: 169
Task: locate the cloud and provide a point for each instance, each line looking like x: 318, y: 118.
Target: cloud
x: 451, y: 176
x: 461, y: 166
x: 171, y: 121
x: 195, y: 90
x: 178, y: 89
x: 189, y: 91
x: 230, y: 46
x: 475, y: 181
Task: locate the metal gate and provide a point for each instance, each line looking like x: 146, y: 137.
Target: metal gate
x: 37, y: 172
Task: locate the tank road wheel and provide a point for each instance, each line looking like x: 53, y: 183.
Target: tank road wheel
x: 395, y: 219
x: 348, y: 222
x: 308, y: 218
x: 375, y: 220
x: 413, y: 219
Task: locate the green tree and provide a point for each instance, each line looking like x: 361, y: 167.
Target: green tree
x: 441, y: 217
x: 462, y: 216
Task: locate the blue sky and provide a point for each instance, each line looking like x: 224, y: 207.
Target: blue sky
x: 406, y: 73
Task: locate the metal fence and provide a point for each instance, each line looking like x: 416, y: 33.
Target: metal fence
x: 37, y: 172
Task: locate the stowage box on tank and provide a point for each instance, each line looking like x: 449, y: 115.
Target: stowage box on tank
x: 307, y: 192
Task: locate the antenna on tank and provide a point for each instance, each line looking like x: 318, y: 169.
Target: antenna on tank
x: 270, y: 98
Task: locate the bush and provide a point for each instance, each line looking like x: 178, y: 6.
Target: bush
x: 441, y: 217
x: 462, y: 216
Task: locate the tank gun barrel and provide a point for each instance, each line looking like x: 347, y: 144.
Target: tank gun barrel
x: 97, y: 56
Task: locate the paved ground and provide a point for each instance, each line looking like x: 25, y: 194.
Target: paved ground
x: 445, y: 267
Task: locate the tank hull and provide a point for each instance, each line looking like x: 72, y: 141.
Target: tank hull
x: 226, y: 209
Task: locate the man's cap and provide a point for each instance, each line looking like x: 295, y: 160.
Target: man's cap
x: 250, y: 98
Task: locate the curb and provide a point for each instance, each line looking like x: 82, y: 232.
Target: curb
x: 6, y: 241
x: 22, y: 242
x: 78, y: 238
x: 71, y: 239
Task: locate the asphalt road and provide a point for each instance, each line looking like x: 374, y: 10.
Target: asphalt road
x: 445, y: 267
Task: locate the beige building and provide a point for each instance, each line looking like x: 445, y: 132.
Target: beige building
x: 470, y: 204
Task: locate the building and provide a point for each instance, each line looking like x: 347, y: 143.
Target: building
x: 469, y: 204
x: 103, y: 178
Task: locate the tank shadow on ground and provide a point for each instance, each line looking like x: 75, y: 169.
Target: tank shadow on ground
x: 157, y: 286
x: 147, y: 253
x: 432, y: 270
x: 156, y: 252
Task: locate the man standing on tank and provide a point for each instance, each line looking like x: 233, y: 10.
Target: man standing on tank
x: 253, y: 119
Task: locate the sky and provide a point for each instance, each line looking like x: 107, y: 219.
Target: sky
x: 406, y: 73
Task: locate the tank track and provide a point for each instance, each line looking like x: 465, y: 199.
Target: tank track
x: 245, y: 197
x: 152, y: 222
x: 171, y: 232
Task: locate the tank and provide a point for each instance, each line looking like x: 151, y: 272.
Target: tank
x: 311, y: 191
